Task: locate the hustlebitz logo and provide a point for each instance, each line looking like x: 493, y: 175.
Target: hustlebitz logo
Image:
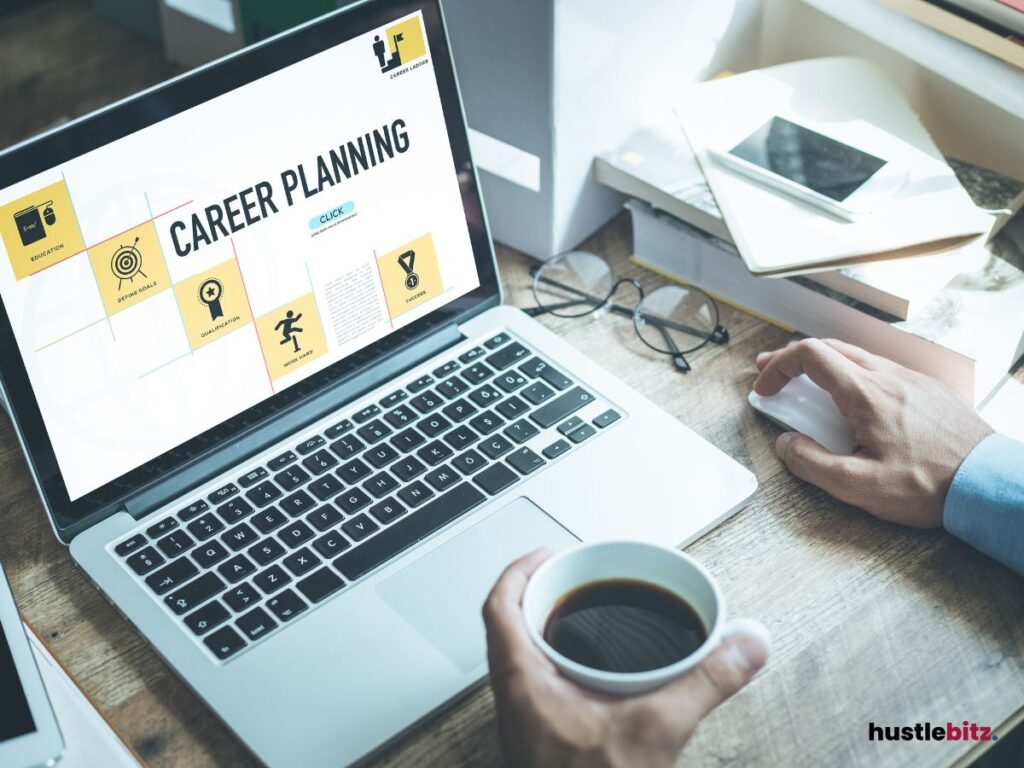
x: 960, y: 731
x: 400, y: 44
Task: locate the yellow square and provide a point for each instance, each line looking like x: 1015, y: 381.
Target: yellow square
x: 291, y: 336
x: 40, y: 229
x: 213, y: 303
x: 408, y: 37
x: 129, y: 268
x: 410, y: 275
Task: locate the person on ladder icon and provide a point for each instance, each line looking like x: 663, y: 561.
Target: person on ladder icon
x: 290, y: 331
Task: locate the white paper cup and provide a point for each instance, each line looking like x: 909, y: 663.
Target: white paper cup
x: 584, y: 564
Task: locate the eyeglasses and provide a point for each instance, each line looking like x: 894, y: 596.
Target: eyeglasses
x: 674, y: 320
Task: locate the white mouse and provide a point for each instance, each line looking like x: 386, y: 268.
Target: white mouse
x: 804, y: 407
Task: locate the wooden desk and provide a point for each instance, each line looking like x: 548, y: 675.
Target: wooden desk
x: 871, y: 622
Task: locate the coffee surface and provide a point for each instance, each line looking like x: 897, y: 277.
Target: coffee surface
x: 623, y: 625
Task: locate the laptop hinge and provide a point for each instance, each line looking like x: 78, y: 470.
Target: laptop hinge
x: 261, y: 436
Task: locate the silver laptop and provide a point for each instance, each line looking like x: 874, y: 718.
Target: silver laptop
x: 255, y: 351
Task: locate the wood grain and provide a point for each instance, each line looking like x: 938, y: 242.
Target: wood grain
x: 870, y: 622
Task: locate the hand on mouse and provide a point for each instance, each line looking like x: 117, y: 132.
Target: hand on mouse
x: 911, y: 433
x: 545, y: 719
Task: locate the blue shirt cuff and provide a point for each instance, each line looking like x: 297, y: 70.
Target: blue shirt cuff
x: 985, y: 503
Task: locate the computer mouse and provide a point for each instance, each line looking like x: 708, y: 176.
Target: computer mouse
x: 803, y: 406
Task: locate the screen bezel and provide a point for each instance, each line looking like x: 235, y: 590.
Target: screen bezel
x: 166, y: 100
x: 45, y: 743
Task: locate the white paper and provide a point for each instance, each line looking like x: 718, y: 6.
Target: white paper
x: 1005, y: 411
x: 216, y: 13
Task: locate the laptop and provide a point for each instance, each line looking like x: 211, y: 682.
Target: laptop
x: 255, y: 350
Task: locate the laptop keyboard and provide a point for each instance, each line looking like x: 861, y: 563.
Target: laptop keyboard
x: 247, y: 557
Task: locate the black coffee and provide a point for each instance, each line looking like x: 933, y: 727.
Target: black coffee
x: 622, y: 625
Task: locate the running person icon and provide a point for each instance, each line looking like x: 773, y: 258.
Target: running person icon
x: 290, y: 331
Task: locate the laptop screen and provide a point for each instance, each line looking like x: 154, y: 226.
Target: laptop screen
x: 177, y: 276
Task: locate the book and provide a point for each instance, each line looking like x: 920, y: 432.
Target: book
x: 656, y: 165
x: 853, y: 101
x: 969, y: 335
x: 1006, y: 44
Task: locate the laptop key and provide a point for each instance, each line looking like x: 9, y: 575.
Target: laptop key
x: 209, y: 554
x: 309, y: 445
x: 461, y: 437
x: 331, y: 544
x: 606, y: 419
x: 495, y: 478
x: 381, y: 455
x: 263, y: 494
x: 193, y: 509
x: 442, y: 478
x: 287, y: 605
x: 400, y: 416
x: 538, y: 393
x: 521, y: 431
x: 326, y: 487
x: 272, y: 579
x: 380, y: 485
x: 319, y: 462
x: 469, y: 462
x: 241, y: 597
x: 347, y: 447
x: 255, y: 624
x: 301, y: 561
x: 394, y: 398
x: 452, y: 387
x: 234, y: 510
x: 353, y: 500
x: 387, y: 511
x: 510, y: 382
x: 206, y: 526
x: 449, y: 367
x: 403, y: 533
x: 194, y: 593
x: 486, y: 395
x: 337, y: 430
x: 533, y: 367
x: 512, y: 407
x: 459, y: 410
x: 297, y: 503
x: 568, y: 426
x: 174, y: 543
x: 507, y: 356
x: 324, y: 517
x: 420, y: 384
x: 320, y: 585
x: 359, y: 527
x: 222, y: 493
x: 477, y: 373
x: 434, y: 425
x: 581, y: 434
x: 496, y: 446
x: 366, y: 414
x: 374, y: 432
x: 556, y: 378
x: 291, y: 478
x: 407, y: 439
x: 280, y: 462
x: 269, y: 520
x: 556, y: 449
x: 408, y: 468
x: 224, y: 643
x: 145, y: 560
x: 471, y: 354
x: 159, y: 529
x: 525, y: 461
x: 253, y: 476
x: 295, y: 534
x: 171, y: 576
x: 128, y: 546
x: 434, y: 453
x: 354, y: 471
x: 240, y: 537
x: 413, y: 494
x: 237, y: 568
x: 486, y: 422
x: 562, y: 406
x: 211, y: 615
x: 426, y: 402
x: 497, y: 341
x: 266, y: 552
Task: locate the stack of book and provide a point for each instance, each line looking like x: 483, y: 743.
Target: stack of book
x: 956, y: 315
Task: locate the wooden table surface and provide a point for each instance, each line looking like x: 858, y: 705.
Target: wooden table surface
x: 870, y: 622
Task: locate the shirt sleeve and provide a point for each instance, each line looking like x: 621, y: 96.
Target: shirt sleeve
x: 985, y: 503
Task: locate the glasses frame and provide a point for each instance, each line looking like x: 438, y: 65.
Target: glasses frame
x: 720, y: 335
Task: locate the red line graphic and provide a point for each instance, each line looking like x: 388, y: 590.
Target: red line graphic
x: 253, y: 316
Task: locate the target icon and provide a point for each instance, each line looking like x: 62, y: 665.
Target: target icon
x: 126, y: 263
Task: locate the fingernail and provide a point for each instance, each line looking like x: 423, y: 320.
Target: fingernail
x: 750, y: 641
x: 782, y: 443
x: 762, y: 355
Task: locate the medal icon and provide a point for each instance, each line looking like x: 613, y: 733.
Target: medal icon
x: 210, y: 292
x: 406, y: 262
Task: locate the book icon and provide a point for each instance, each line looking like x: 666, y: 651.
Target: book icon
x: 29, y: 222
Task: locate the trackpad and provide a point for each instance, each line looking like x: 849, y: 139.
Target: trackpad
x: 441, y: 594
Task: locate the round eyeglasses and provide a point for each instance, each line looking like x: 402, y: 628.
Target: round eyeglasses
x: 674, y: 320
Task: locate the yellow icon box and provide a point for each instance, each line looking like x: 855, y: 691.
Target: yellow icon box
x: 213, y: 303
x: 129, y: 268
x: 291, y: 336
x: 409, y: 34
x: 410, y: 275
x: 40, y: 229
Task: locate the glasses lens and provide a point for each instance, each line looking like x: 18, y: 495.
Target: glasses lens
x: 676, y: 319
x: 573, y: 284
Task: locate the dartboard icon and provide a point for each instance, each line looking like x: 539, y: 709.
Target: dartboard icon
x: 126, y: 263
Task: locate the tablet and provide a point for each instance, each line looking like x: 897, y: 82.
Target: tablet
x: 29, y: 735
